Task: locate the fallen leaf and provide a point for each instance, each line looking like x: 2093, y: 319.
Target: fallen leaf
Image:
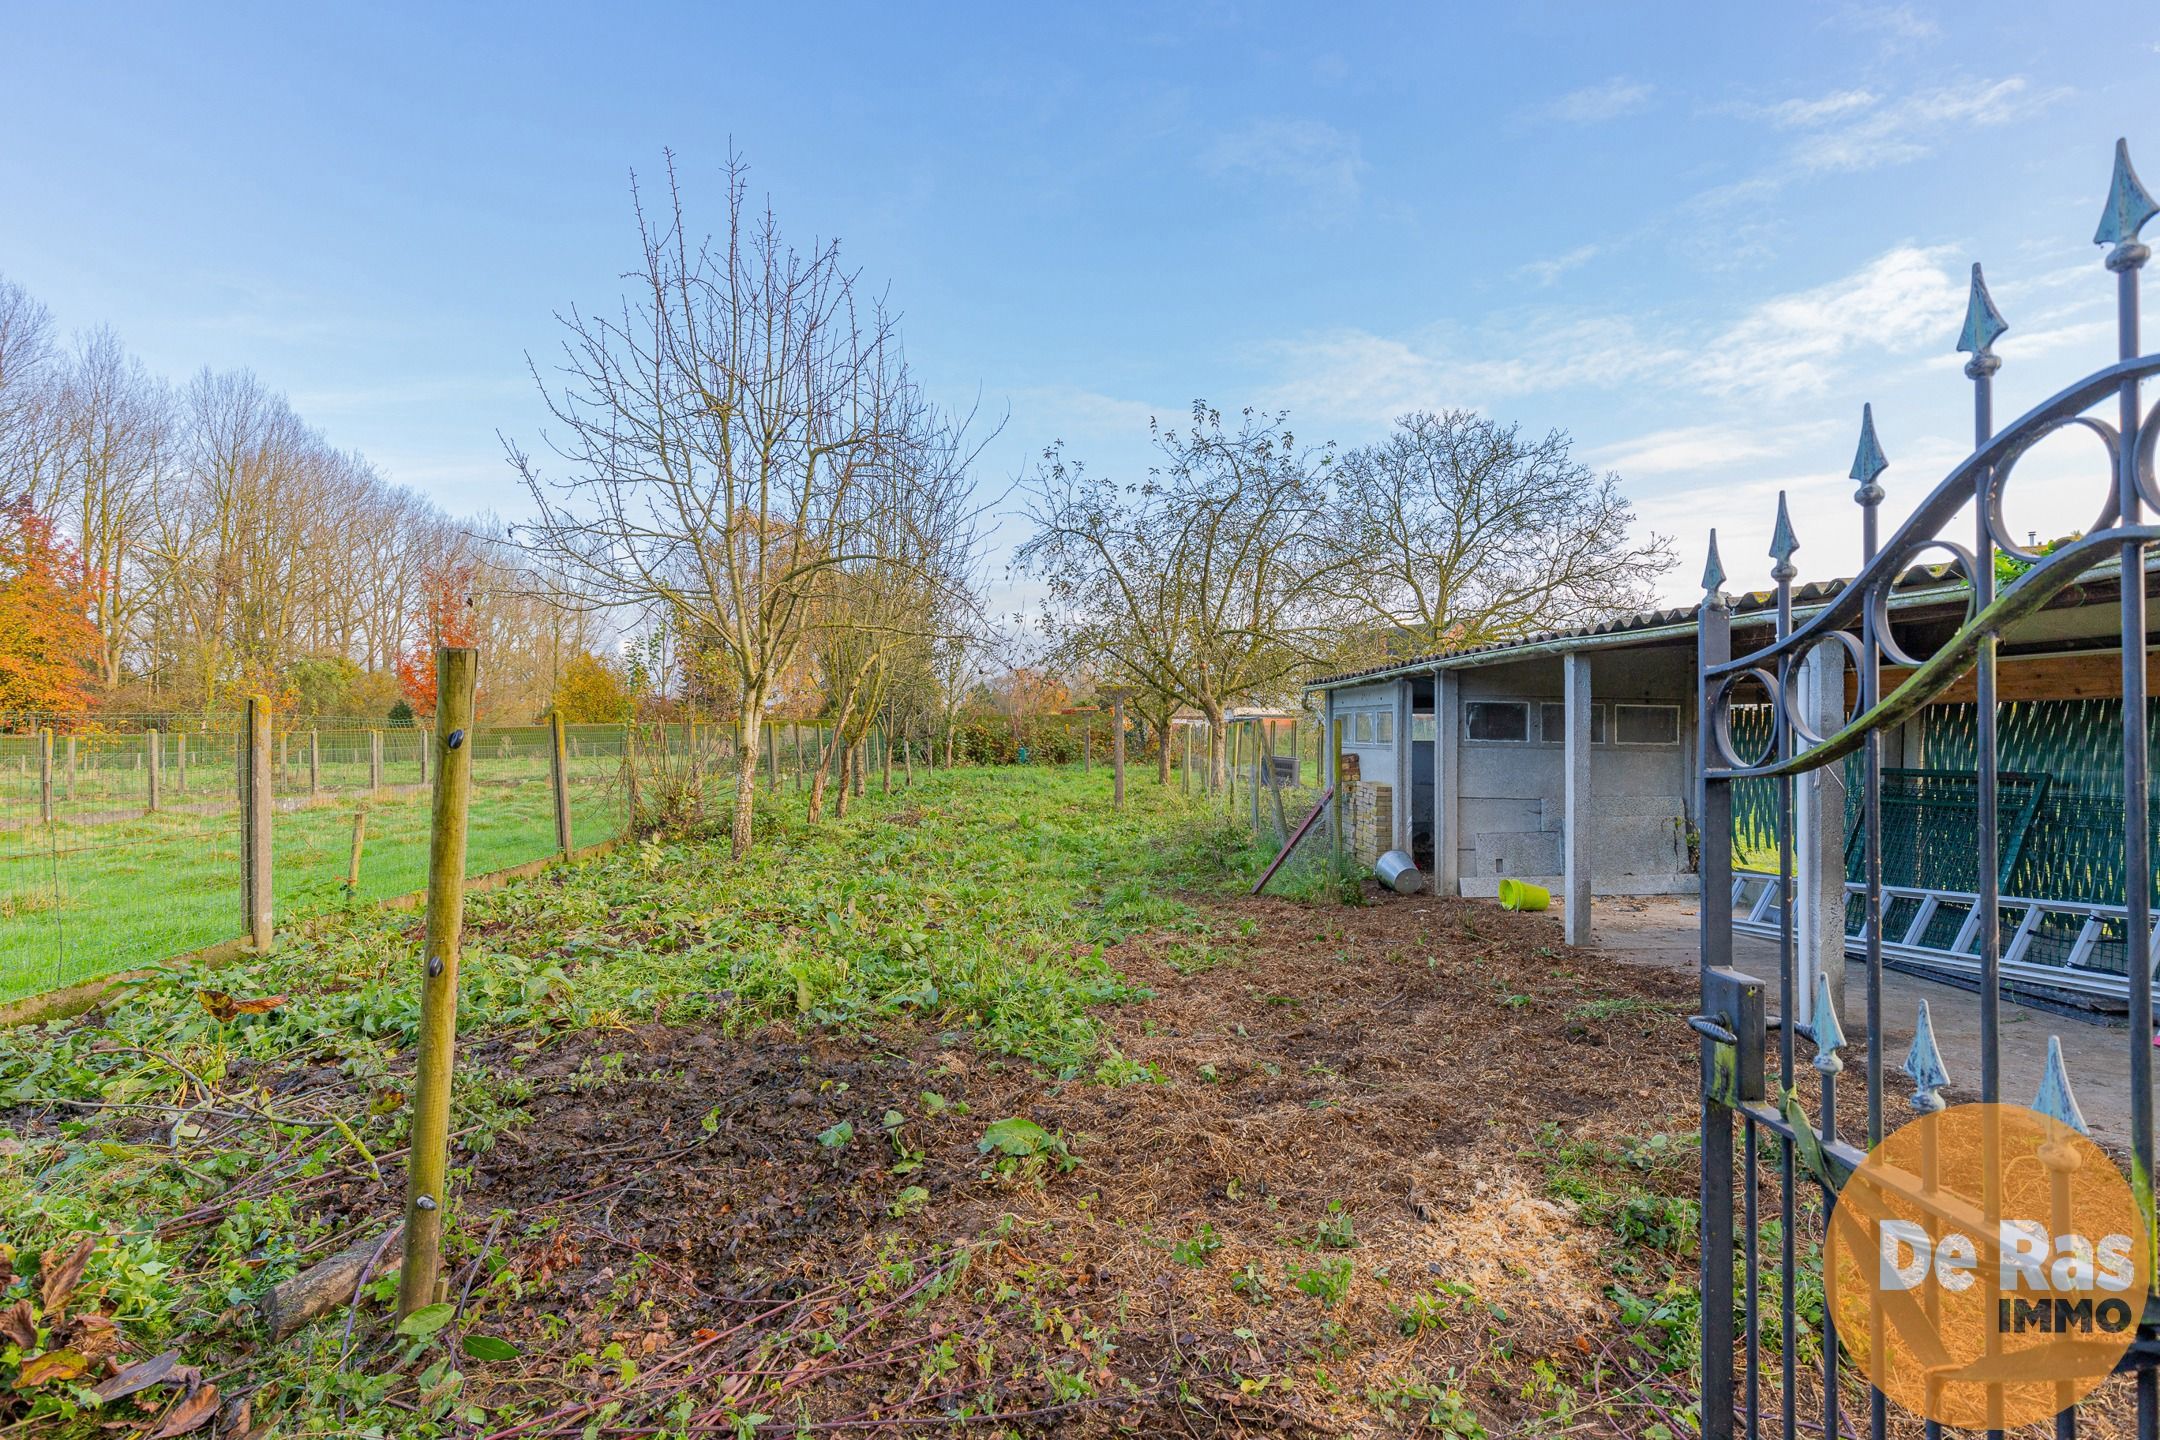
x: 239, y: 1417
x: 19, y: 1323
x: 96, y: 1336
x: 52, y: 1365
x: 138, y: 1377
x: 189, y: 1414
x: 224, y: 1007
x: 60, y: 1277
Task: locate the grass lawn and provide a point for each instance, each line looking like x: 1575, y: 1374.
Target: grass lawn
x: 988, y: 1108
x: 80, y: 899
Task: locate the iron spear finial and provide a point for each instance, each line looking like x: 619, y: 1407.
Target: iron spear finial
x: 2055, y: 1099
x: 1713, y: 570
x: 2129, y: 205
x: 1984, y: 325
x: 1783, y: 543
x: 1868, y: 460
x: 1829, y: 1034
x: 1923, y: 1063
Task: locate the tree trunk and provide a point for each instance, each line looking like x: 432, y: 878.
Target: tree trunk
x: 1162, y: 755
x: 1217, y: 760
x: 846, y: 781
x: 746, y: 768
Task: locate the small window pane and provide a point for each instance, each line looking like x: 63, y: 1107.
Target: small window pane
x: 1422, y: 727
x: 1552, y: 723
x: 1362, y: 732
x: 1384, y: 731
x: 1647, y: 724
x: 1496, y: 720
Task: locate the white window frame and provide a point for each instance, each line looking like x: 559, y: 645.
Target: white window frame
x: 1470, y: 707
x: 1672, y: 710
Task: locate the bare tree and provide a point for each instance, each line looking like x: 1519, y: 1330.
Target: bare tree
x: 27, y: 379
x: 715, y: 437
x: 1458, y: 530
x: 1208, y: 581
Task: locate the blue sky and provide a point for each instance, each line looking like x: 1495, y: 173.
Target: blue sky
x: 1697, y: 238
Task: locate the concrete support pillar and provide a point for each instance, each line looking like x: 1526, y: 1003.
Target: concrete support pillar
x: 1575, y: 764
x: 1404, y: 770
x: 1819, y: 839
x: 1447, y: 783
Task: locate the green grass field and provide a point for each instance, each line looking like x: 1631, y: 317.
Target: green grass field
x: 79, y: 899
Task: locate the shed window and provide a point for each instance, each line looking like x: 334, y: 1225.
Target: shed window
x: 1384, y: 728
x: 1552, y: 723
x: 1646, y: 724
x: 1361, y: 730
x: 1496, y: 720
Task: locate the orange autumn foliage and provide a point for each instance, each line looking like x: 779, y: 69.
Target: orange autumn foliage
x: 46, y: 639
x: 445, y: 618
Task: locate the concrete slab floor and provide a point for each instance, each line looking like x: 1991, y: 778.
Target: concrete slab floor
x: 1662, y: 931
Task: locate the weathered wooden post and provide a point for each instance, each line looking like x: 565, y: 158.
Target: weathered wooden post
x: 282, y: 770
x: 1117, y: 749
x: 907, y: 758
x: 153, y: 755
x: 359, y: 840
x: 1184, y: 773
x: 772, y: 758
x: 374, y: 768
x: 1087, y: 746
x: 67, y: 776
x: 45, y: 792
x: 1335, y: 801
x: 796, y: 732
x: 314, y: 763
x: 422, y: 743
x: 180, y: 762
x: 255, y: 792
x: 559, y: 771
x: 426, y: 1170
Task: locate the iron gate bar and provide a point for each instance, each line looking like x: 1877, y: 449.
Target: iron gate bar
x: 2121, y: 534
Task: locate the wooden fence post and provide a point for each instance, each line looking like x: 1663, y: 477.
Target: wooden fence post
x: 559, y: 768
x: 154, y: 755
x: 422, y: 742
x: 67, y: 779
x: 180, y: 762
x: 374, y: 769
x: 45, y: 796
x: 772, y: 756
x: 359, y: 839
x: 1335, y: 803
x: 1184, y: 773
x: 314, y: 763
x: 425, y: 1171
x: 1117, y: 749
x: 796, y: 731
x: 255, y: 794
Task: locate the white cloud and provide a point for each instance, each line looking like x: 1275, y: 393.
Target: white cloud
x: 1693, y: 448
x: 1545, y: 272
x: 1794, y: 344
x: 1788, y: 347
x: 1852, y: 130
x: 1607, y: 100
x: 1310, y: 156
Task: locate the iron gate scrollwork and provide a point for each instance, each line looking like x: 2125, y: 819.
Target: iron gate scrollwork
x: 1754, y: 1095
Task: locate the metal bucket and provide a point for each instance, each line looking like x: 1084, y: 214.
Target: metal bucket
x: 1399, y: 873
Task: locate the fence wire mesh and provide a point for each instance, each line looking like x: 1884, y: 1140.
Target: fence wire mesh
x: 120, y: 844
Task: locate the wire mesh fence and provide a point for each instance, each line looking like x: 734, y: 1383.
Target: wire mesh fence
x: 120, y: 844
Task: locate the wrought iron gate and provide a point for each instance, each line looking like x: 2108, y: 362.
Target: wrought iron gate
x: 1807, y: 1148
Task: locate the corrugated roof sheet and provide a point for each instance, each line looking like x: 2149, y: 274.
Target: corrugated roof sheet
x: 1918, y: 581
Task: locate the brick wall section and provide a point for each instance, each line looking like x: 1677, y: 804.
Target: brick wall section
x: 1370, y: 820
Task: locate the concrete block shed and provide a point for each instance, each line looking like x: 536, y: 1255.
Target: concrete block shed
x: 1570, y: 759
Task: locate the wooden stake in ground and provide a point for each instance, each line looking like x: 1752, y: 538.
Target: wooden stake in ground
x: 154, y: 749
x: 427, y: 1167
x: 314, y: 763
x: 1184, y: 773
x: 1117, y: 749
x: 559, y: 773
x: 359, y: 839
x: 45, y: 805
x: 255, y: 822
x: 374, y: 766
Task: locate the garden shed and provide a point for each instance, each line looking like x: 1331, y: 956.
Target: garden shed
x: 1569, y: 759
